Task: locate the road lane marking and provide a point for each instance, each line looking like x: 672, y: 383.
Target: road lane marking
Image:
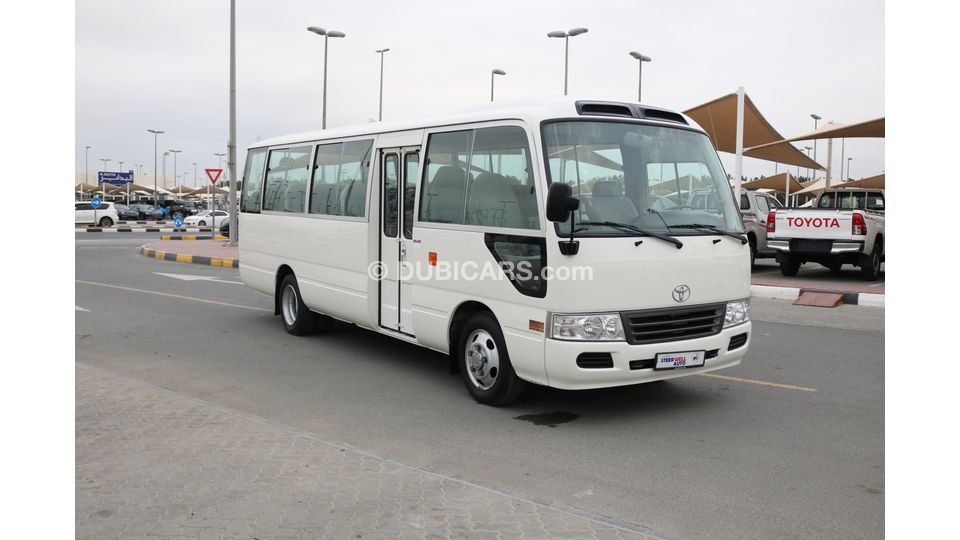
x: 190, y: 277
x: 178, y: 296
x: 755, y: 381
x: 78, y: 308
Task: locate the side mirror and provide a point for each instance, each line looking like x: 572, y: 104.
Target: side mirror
x: 561, y: 202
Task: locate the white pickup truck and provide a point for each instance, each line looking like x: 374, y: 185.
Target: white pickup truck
x: 845, y: 226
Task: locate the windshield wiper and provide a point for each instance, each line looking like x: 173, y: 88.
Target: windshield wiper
x: 714, y: 228
x: 632, y: 228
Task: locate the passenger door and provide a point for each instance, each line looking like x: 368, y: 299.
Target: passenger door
x: 398, y: 178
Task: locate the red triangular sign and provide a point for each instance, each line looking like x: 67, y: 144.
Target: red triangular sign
x: 214, y: 175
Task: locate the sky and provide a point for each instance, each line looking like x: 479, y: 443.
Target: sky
x: 164, y: 65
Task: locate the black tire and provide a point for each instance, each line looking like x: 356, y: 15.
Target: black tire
x: 789, y: 266
x: 495, y: 386
x: 202, y: 223
x: 106, y: 222
x: 753, y: 251
x: 870, y: 265
x: 295, y: 317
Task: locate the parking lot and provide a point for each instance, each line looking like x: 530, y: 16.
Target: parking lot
x: 182, y: 369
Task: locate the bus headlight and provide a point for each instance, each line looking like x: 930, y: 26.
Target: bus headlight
x: 587, y: 327
x: 738, y: 312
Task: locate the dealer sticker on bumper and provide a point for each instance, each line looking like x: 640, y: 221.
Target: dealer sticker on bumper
x: 680, y: 360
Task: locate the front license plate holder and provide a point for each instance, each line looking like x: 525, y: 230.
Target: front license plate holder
x: 679, y: 360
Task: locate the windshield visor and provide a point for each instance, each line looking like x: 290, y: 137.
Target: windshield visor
x: 661, y: 179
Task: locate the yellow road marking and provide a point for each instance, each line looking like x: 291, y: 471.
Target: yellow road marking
x: 184, y: 258
x: 754, y: 381
x: 158, y: 293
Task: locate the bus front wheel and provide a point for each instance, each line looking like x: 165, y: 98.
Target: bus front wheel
x: 484, y: 363
x: 297, y: 319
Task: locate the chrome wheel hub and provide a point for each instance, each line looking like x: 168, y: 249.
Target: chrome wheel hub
x: 482, y: 359
x: 288, y: 305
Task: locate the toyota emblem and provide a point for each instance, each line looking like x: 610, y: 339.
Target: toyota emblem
x: 681, y: 293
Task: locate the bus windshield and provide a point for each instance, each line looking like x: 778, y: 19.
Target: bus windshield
x: 657, y: 178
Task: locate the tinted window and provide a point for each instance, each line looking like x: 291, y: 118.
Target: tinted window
x: 825, y: 201
x: 875, y: 201
x: 762, y: 204
x: 390, y: 210
x: 340, y: 175
x: 411, y: 166
x: 744, y: 202
x: 498, y: 190
x: 774, y: 203
x: 286, y: 185
x: 252, y: 182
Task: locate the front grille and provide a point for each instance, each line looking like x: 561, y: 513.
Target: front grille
x: 737, y: 341
x: 672, y: 324
x: 589, y: 360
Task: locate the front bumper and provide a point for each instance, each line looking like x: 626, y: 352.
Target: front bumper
x: 819, y: 247
x: 564, y: 373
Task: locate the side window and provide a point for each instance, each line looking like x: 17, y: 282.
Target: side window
x: 498, y: 190
x: 774, y: 203
x: 763, y: 205
x: 443, y: 194
x: 390, y: 201
x: 411, y: 164
x: 340, y: 172
x: 744, y: 202
x: 323, y: 190
x: 502, y: 194
x: 252, y: 181
x: 354, y: 171
x: 875, y: 201
x: 286, y: 185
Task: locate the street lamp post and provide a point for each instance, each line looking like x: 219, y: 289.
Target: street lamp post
x: 326, y: 35
x: 105, y: 161
x: 566, y: 49
x: 640, y: 60
x: 155, y: 133
x: 849, y: 177
x: 381, y: 52
x: 807, y: 149
x: 86, y: 168
x: 492, y: 73
x: 194, y: 174
x: 175, y: 177
x: 816, y: 119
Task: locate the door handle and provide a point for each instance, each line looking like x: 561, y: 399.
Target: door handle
x: 403, y: 249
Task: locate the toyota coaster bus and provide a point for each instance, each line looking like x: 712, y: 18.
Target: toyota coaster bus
x: 551, y: 243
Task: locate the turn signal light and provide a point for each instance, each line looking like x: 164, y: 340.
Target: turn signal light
x: 771, y: 222
x: 859, y: 225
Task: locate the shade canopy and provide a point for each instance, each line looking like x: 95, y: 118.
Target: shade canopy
x: 871, y: 182
x: 812, y: 187
x: 85, y: 188
x: 871, y: 129
x: 775, y: 183
x: 719, y: 119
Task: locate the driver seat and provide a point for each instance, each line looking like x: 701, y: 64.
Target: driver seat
x: 609, y: 204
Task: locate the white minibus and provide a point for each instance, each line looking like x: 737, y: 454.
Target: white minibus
x: 550, y: 243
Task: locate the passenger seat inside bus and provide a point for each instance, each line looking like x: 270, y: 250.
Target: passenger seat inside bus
x: 609, y: 204
x: 492, y: 201
x: 444, y: 197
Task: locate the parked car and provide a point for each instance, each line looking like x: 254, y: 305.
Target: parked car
x: 183, y: 208
x: 225, y: 228
x: 146, y: 211
x: 207, y: 217
x: 126, y: 213
x: 755, y: 207
x: 845, y: 226
x: 105, y: 216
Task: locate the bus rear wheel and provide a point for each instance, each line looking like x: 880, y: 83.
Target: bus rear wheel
x: 296, y: 318
x: 484, y: 363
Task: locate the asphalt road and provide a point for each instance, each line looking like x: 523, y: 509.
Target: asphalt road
x: 788, y: 444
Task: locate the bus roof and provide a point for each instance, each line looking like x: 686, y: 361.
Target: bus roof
x: 530, y: 111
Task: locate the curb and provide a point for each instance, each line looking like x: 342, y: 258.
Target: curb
x: 143, y: 229
x: 189, y: 259
x: 217, y: 237
x: 792, y: 293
